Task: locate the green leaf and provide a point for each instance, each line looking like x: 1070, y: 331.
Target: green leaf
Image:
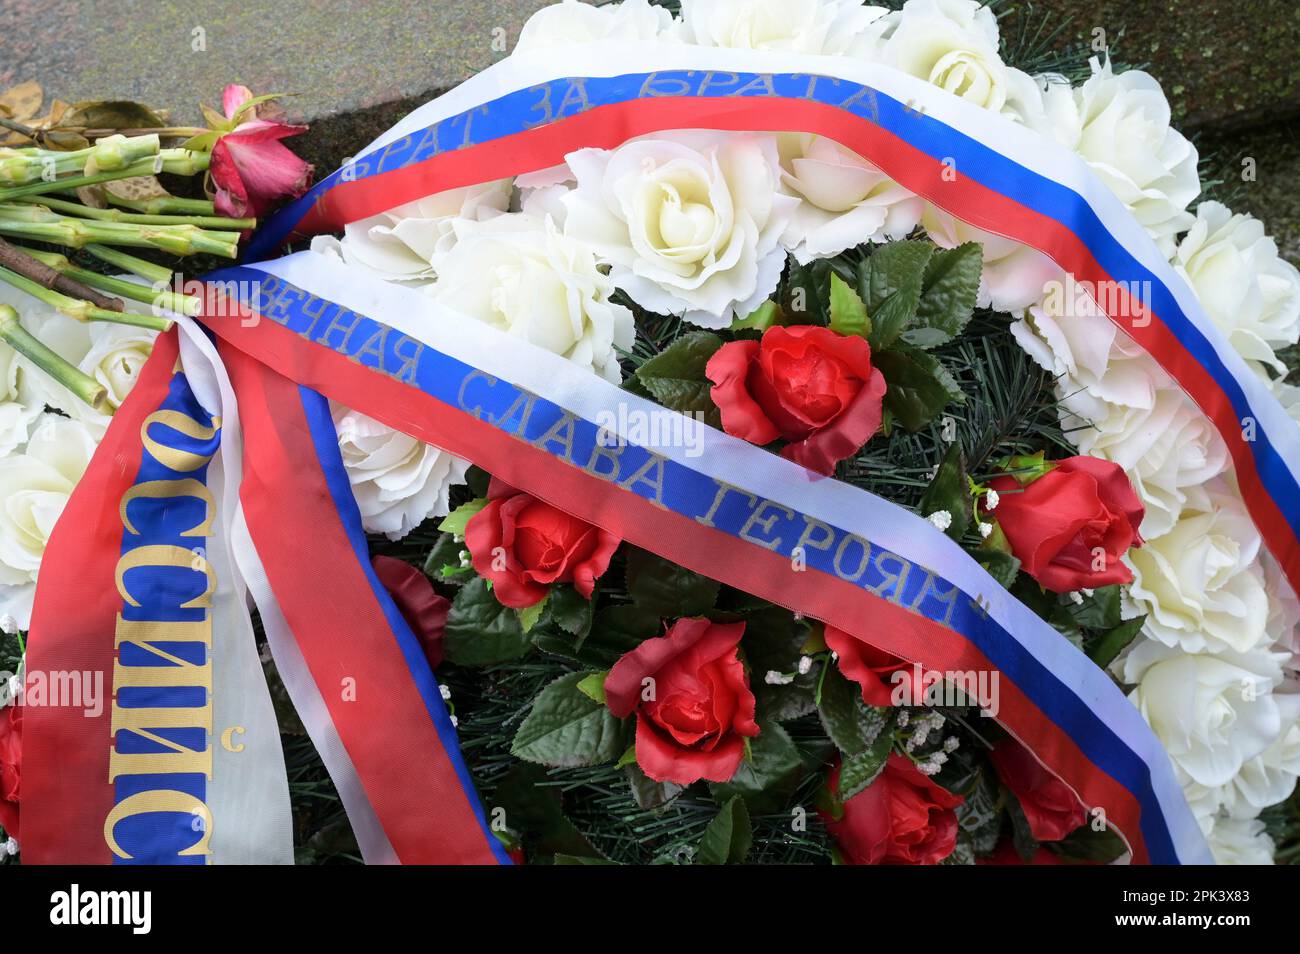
x: 1101, y: 610
x: 111, y: 114
x: 454, y: 522
x: 529, y: 615
x: 807, y: 292
x: 773, y: 641
x: 1086, y: 844
x: 572, y: 611
x: 761, y: 318
x: 728, y: 837
x: 664, y: 587
x: 480, y: 631
x: 646, y: 791
x: 980, y: 815
x: 1113, y: 642
x: 445, y: 553
x: 951, y: 285
x: 890, y: 282
x: 676, y: 376
x: 1003, y: 567
x: 769, y: 775
x: 950, y: 491
x: 593, y: 687
x: 918, y: 386
x: 849, y: 722
x: 858, y: 771
x: 534, y: 809
x: 848, y: 313
x: 566, y: 728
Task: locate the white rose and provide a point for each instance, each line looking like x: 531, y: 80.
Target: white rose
x: 1240, y: 841
x: 688, y: 221
x: 953, y: 44
x: 1249, y: 293
x: 846, y: 199
x: 17, y: 407
x: 1069, y: 335
x: 522, y: 275
x: 34, y: 487
x: 1212, y: 713
x: 404, y: 243
x: 1269, y: 777
x: 1201, y: 583
x: 1015, y: 276
x: 794, y: 26
x: 1126, y: 138
x: 1168, y: 449
x: 399, y: 481
x: 570, y: 22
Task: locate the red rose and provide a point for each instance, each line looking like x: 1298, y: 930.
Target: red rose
x: 11, y: 756
x: 902, y: 818
x: 700, y: 709
x: 1005, y: 854
x: 807, y: 385
x: 422, y: 608
x: 1071, y: 526
x: 1050, y: 807
x: 535, y: 545
x: 873, y: 669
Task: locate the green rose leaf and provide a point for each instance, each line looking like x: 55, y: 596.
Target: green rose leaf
x: 480, y: 631
x: 529, y: 615
x: 950, y: 491
x: 1003, y: 567
x: 769, y: 775
x: 676, y: 377
x: 566, y: 728
x: 851, y: 724
x: 858, y: 771
x: 572, y: 611
x: 728, y: 837
x: 1087, y: 844
x: 761, y: 318
x: 848, y: 312
x: 1113, y: 642
x: 807, y: 292
x: 455, y: 521
x: 665, y: 588
x: 890, y: 282
x: 646, y: 791
x: 918, y: 387
x: 593, y: 686
x: 1101, y: 610
x: 443, y: 561
x: 950, y: 287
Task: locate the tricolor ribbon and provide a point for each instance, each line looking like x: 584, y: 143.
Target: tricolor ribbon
x: 298, y: 330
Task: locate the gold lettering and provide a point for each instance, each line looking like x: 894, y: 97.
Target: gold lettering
x: 174, y: 458
x: 159, y: 801
x: 166, y: 489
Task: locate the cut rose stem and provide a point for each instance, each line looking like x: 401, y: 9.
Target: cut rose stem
x: 137, y: 218
x: 148, y: 294
x: 150, y: 272
x: 18, y: 260
x: 78, y: 382
x: 81, y: 310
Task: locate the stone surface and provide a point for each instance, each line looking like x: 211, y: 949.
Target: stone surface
x: 337, y: 56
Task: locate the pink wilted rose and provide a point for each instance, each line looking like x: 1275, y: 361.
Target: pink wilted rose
x: 251, y: 169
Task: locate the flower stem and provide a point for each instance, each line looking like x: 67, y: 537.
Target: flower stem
x: 178, y: 161
x: 20, y: 339
x: 150, y: 272
x: 165, y: 205
x: 77, y: 233
x: 80, y: 310
x: 110, y: 154
x: 133, y: 218
x: 24, y: 263
x: 149, y: 295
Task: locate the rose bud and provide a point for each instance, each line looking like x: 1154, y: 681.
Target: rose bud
x: 1050, y: 807
x: 523, y: 545
x: 902, y: 818
x: 1071, y: 527
x: 807, y: 385
x: 873, y: 669
x: 692, y: 701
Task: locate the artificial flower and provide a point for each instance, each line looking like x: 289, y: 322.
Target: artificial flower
x: 1240, y: 841
x: 251, y: 169
x: 421, y: 607
x: 1006, y: 854
x: 525, y: 277
x: 902, y: 818
x: 845, y: 199
x: 524, y: 545
x: 11, y: 758
x: 1050, y: 807
x: 1071, y: 527
x: 692, y: 701
x: 689, y: 222
x: 574, y: 21
x: 35, y: 486
x: 403, y: 244
x: 807, y: 385
x: 398, y: 480
x: 1201, y: 584
x: 1126, y: 138
x: 1251, y: 294
x: 874, y: 670
x: 793, y: 26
